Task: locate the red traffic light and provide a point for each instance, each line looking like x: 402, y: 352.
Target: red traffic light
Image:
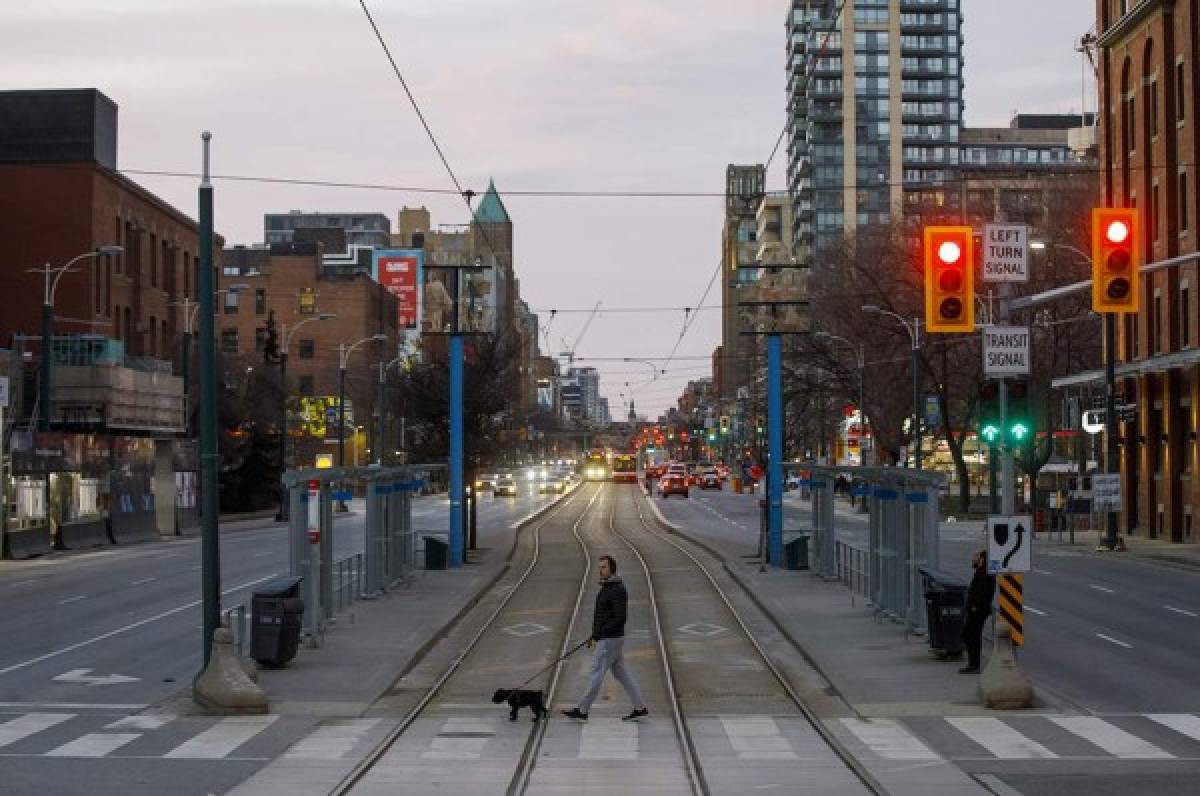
x: 1115, y: 259
x: 949, y: 279
x: 1117, y: 232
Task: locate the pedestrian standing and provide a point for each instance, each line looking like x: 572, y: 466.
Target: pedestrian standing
x: 979, y: 608
x: 608, y: 636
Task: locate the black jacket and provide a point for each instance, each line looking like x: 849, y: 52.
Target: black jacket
x: 981, y: 592
x: 609, y: 619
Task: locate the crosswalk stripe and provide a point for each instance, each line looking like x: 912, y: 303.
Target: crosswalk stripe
x: 998, y: 738
x: 460, y: 739
x: 608, y: 739
x: 1182, y: 723
x: 222, y: 738
x: 1110, y: 738
x: 140, y: 723
x: 29, y: 724
x: 757, y: 738
x: 889, y: 739
x: 94, y: 744
x: 332, y: 740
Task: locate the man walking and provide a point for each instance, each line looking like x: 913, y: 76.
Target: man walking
x: 608, y: 634
x: 979, y: 608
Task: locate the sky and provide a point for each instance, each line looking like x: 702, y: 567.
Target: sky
x: 574, y: 95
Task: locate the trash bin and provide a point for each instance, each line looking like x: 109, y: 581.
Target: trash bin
x: 945, y: 611
x: 795, y: 552
x: 278, y: 613
x: 437, y: 553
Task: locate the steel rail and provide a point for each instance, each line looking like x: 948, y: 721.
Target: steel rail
x: 363, y: 767
x: 832, y: 741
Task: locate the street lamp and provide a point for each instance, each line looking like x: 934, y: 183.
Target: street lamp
x: 914, y: 335
x: 283, y: 416
x: 344, y: 353
x: 384, y: 367
x: 861, y: 356
x: 48, y: 321
x: 190, y: 308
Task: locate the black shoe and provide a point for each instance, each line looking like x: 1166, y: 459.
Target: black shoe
x: 969, y: 670
x: 637, y: 713
x: 575, y: 713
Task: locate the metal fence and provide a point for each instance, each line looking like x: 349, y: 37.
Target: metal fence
x: 853, y: 570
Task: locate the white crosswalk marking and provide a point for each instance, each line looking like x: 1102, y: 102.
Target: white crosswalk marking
x: 608, y: 739
x: 1000, y: 739
x: 757, y: 738
x: 29, y: 724
x: 888, y: 739
x: 1110, y: 738
x: 222, y: 738
x: 94, y: 744
x: 332, y: 741
x: 140, y: 723
x: 1182, y: 723
x: 461, y: 739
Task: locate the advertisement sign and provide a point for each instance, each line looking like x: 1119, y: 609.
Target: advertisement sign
x: 400, y: 271
x: 776, y: 303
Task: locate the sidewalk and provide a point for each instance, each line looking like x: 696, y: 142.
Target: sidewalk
x: 1156, y: 551
x: 370, y: 646
x: 876, y: 672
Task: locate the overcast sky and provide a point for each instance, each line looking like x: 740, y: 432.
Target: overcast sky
x: 639, y: 95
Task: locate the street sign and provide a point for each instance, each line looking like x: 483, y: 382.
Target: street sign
x: 1106, y: 492
x: 1010, y: 540
x: 1005, y: 253
x: 932, y: 415
x: 1006, y: 350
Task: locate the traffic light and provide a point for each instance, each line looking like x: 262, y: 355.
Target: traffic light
x: 1020, y: 420
x: 949, y: 279
x: 758, y: 424
x: 724, y: 424
x: 989, y: 413
x: 1116, y: 243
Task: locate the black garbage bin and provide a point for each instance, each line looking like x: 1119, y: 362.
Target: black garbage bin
x: 945, y: 611
x: 277, y: 612
x: 795, y: 553
x: 437, y: 553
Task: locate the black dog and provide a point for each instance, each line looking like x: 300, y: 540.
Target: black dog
x: 518, y: 698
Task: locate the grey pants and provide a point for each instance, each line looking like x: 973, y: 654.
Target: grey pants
x: 610, y: 655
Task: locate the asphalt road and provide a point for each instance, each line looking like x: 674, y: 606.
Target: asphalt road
x: 91, y: 638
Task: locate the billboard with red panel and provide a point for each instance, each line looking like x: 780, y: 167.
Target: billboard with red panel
x: 400, y: 271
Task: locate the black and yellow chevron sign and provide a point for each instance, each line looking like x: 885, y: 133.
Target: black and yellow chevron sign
x: 1010, y: 601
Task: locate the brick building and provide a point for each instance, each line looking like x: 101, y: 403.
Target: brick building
x: 1149, y: 97
x: 290, y: 282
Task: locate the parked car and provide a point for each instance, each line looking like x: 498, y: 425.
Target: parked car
x: 505, y: 486
x: 673, y: 483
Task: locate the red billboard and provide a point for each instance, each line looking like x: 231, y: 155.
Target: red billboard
x: 399, y: 270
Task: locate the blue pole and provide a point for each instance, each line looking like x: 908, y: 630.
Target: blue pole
x: 456, y: 450
x: 775, y: 449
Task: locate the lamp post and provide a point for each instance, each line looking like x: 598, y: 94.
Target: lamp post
x: 344, y: 353
x: 380, y: 436
x: 861, y: 357
x: 282, y: 515
x: 190, y: 309
x: 914, y: 335
x: 44, y: 413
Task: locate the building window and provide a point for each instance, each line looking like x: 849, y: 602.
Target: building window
x: 307, y: 304
x: 1185, y: 317
x: 1180, y: 92
x: 260, y: 301
x: 164, y: 341
x: 1156, y: 326
x: 307, y: 349
x: 1183, y: 202
x: 306, y: 385
x: 231, y: 303
x: 229, y: 341
x: 116, y: 311
x: 120, y: 241
x: 153, y: 261
x: 1153, y: 100
x: 1154, y: 208
x: 260, y: 338
x: 1131, y: 123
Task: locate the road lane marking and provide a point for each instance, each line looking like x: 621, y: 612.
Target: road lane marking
x: 94, y: 744
x: 1115, y: 641
x: 140, y: 723
x: 1000, y: 739
x: 30, y: 724
x: 332, y: 741
x: 143, y: 581
x: 74, y: 599
x: 1180, y: 610
x: 221, y: 738
x: 608, y: 739
x: 123, y: 629
x: 1104, y: 589
x: 1033, y: 610
x: 1182, y: 723
x: 1110, y: 738
x: 1042, y: 571
x: 73, y: 705
x: 889, y: 739
x: 460, y: 739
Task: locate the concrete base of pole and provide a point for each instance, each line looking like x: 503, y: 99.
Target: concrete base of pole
x: 223, y: 687
x: 1002, y: 684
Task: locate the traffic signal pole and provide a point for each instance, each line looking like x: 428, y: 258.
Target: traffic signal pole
x: 1111, y: 449
x: 774, y: 494
x: 1007, y: 470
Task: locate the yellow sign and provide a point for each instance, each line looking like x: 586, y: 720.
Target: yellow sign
x: 324, y: 461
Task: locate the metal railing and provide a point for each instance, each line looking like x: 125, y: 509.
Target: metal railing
x: 853, y: 570
x: 348, y: 581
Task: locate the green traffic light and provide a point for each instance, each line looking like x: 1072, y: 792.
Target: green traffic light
x: 990, y: 432
x: 1019, y: 431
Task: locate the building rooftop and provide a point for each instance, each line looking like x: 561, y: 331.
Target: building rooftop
x: 491, y: 208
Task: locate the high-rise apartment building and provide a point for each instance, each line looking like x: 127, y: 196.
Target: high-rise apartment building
x: 875, y: 108
x: 745, y: 187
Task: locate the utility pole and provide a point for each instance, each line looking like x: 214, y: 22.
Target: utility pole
x: 210, y: 556
x: 774, y: 496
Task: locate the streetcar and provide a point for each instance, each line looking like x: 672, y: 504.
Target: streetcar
x: 624, y: 469
x: 595, y: 466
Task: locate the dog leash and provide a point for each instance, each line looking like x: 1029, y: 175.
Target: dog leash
x: 564, y: 656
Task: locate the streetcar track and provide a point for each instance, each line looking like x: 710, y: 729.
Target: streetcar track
x: 364, y: 766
